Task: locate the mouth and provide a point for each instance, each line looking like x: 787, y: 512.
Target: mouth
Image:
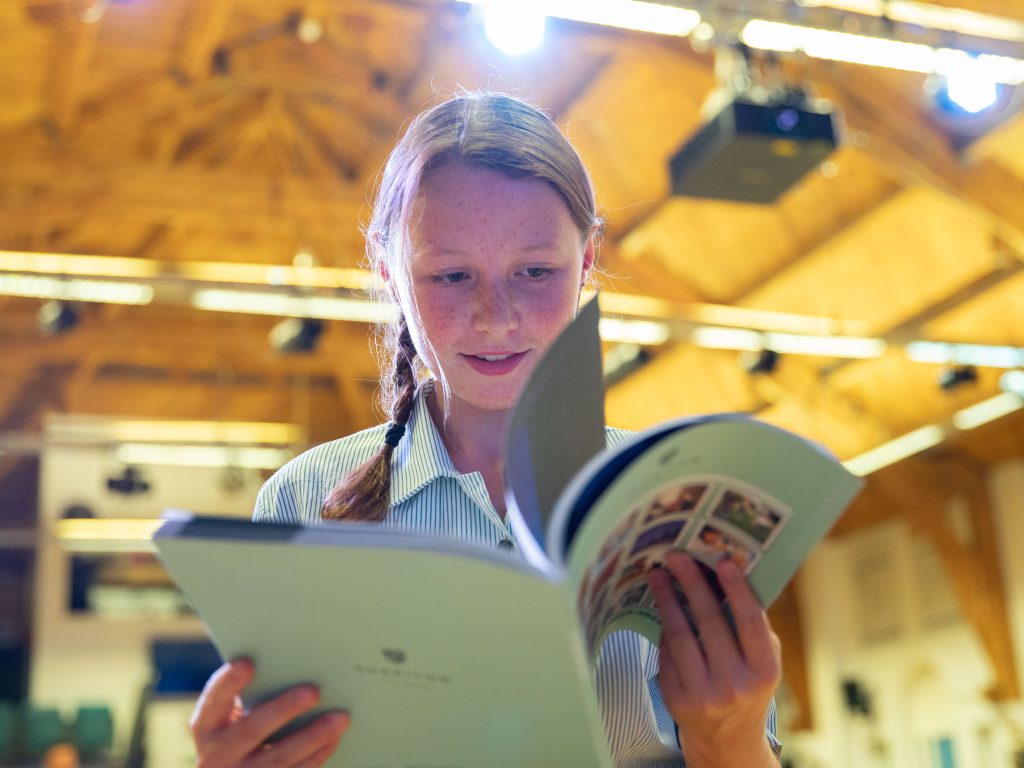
x: 496, y: 363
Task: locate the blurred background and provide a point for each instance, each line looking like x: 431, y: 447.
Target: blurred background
x: 815, y: 214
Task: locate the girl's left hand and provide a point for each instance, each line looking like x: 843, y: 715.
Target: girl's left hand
x: 717, y: 690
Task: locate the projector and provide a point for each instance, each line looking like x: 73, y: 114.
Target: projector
x: 753, y: 151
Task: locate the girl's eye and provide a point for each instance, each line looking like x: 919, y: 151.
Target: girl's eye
x: 451, y: 278
x: 537, y: 272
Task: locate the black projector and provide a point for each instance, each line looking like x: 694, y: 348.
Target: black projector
x: 752, y: 153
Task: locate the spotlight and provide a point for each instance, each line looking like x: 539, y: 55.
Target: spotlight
x: 956, y: 376
x: 966, y: 87
x: 56, y: 317
x: 764, y: 361
x: 296, y: 334
x: 129, y: 482
x: 514, y: 27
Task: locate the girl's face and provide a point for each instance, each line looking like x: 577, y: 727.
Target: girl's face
x: 495, y: 273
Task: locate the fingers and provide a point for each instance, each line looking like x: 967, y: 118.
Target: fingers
x: 716, y: 636
x: 679, y: 648
x: 216, y: 703
x: 306, y: 748
x: 757, y: 642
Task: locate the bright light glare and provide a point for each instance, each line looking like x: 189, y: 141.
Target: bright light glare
x: 514, y: 26
x: 106, y: 291
x: 265, y: 303
x: 895, y: 450
x: 877, y: 52
x: 971, y: 90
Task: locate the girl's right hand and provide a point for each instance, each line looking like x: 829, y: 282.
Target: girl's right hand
x: 226, y: 735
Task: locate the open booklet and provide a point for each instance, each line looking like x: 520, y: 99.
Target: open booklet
x: 451, y: 654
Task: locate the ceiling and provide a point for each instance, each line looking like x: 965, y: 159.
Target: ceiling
x: 181, y: 131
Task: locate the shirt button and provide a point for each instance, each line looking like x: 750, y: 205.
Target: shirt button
x: 505, y: 544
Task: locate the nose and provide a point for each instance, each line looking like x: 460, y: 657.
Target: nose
x: 494, y: 309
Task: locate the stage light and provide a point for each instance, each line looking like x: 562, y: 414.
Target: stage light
x: 764, y: 361
x: 514, y: 27
x: 956, y: 376
x: 56, y: 317
x: 971, y: 89
x: 296, y: 334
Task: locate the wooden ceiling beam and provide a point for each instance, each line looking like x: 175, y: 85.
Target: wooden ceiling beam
x: 207, y: 24
x: 69, y: 68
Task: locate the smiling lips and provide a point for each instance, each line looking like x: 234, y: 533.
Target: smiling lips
x: 497, y: 364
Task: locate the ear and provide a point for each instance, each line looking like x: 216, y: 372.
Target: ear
x: 589, y: 252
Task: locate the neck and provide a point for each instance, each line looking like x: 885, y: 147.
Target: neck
x: 473, y: 436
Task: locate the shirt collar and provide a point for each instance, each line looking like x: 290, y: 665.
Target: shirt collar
x: 421, y: 457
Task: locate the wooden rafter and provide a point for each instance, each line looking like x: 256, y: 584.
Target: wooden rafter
x: 70, y: 68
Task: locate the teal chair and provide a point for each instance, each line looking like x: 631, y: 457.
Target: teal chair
x: 8, y: 731
x: 93, y: 731
x: 43, y: 728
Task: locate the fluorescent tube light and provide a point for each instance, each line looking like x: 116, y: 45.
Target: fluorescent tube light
x: 656, y: 18
x: 75, y: 289
x: 788, y: 343
x: 987, y: 410
x: 931, y: 16
x: 895, y: 450
x: 244, y: 457
x: 266, y: 303
x: 983, y: 355
x: 645, y: 332
x: 107, y: 534
x: 876, y: 51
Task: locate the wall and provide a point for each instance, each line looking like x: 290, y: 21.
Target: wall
x: 878, y: 609
x: 78, y: 659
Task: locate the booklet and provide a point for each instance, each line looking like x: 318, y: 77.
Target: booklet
x: 451, y: 654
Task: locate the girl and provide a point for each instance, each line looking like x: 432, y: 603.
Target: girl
x: 484, y: 230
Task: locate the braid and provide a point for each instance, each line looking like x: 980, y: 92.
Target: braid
x: 365, y: 493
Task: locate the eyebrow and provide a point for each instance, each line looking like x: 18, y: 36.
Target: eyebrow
x: 532, y: 248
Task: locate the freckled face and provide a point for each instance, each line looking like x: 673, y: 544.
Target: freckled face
x: 496, y: 268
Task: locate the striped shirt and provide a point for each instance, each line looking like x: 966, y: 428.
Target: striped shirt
x: 429, y: 494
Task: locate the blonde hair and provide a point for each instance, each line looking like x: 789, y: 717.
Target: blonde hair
x: 478, y: 129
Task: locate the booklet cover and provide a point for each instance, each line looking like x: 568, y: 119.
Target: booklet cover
x: 452, y: 654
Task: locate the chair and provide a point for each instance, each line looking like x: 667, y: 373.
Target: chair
x: 8, y: 730
x: 93, y: 731
x: 43, y: 728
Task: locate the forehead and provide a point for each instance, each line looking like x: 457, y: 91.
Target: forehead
x: 458, y: 205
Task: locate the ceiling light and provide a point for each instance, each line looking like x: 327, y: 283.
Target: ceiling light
x: 656, y: 18
x: 296, y: 334
x: 982, y: 355
x: 895, y: 450
x: 987, y: 410
x: 634, y: 331
x: 267, y: 303
x: 877, y: 51
x: 1012, y: 381
x: 245, y: 457
x: 514, y: 27
x: 75, y: 289
x: 107, y: 534
x: 855, y: 347
x: 970, y: 90
x: 55, y: 317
